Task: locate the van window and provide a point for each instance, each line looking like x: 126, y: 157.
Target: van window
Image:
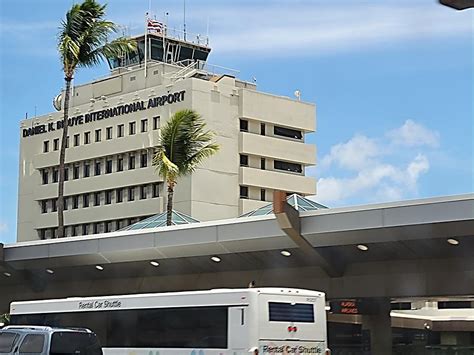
x: 75, y: 343
x: 7, y: 340
x: 291, y: 312
x: 32, y: 344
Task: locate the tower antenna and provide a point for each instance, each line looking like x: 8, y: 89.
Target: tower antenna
x: 184, y: 19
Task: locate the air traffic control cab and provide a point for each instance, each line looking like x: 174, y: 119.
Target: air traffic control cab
x: 167, y: 47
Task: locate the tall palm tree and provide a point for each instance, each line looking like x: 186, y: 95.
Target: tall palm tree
x: 184, y: 144
x: 82, y: 42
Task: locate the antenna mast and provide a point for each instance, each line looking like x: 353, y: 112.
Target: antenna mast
x: 184, y: 19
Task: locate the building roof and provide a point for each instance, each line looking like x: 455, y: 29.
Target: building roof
x: 159, y: 220
x: 296, y: 201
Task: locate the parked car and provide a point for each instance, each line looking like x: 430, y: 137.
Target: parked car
x: 25, y: 339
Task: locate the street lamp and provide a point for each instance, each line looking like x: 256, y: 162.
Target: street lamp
x: 458, y: 4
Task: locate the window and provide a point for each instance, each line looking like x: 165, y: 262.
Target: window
x: 262, y: 163
x: 75, y: 172
x: 288, y: 312
x: 108, y: 197
x: 262, y: 195
x: 143, y: 160
x: 32, y: 344
x: 132, y: 128
x: 66, y: 201
x: 56, y: 144
x: 156, y: 190
x: 187, y: 327
x: 287, y: 132
x: 73, y: 231
x: 131, y: 193
x: 67, y: 142
x: 87, y: 137
x: 262, y: 129
x: 44, y: 206
x: 131, y: 162
x: 119, y: 195
x: 108, y: 166
x: 95, y: 228
x: 87, y: 170
x: 156, y: 122
x: 244, y: 125
x: 244, y: 192
x: 45, y: 177
x: 55, y: 175
x: 98, y: 134
x: 85, y: 200
x: 76, y: 140
x: 45, y: 146
x: 244, y: 160
x: 144, y: 125
x: 66, y: 174
x: 120, y: 130
x: 7, y: 340
x: 97, y: 168
x: 282, y: 165
x: 96, y: 198
x: 119, y: 163
x: 108, y: 133
x: 74, y: 343
x: 54, y: 205
x: 143, y: 192
x: 85, y: 229
x: 75, y: 202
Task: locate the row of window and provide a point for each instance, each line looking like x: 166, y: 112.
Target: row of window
x: 277, y: 130
x: 277, y: 164
x: 98, y: 167
x: 90, y: 228
x: 109, y: 134
x: 98, y: 198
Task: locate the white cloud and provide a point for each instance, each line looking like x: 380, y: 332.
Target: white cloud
x: 3, y: 227
x: 317, y: 28
x: 413, y: 134
x: 365, y: 170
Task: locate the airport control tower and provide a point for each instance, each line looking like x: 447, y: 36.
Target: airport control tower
x: 114, y: 127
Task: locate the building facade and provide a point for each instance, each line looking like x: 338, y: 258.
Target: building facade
x: 114, y: 126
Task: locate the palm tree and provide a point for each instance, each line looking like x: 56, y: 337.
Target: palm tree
x: 83, y: 42
x: 184, y: 144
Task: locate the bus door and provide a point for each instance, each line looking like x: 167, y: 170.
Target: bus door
x: 292, y: 324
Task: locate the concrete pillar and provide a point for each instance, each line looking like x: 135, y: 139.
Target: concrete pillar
x: 377, y: 322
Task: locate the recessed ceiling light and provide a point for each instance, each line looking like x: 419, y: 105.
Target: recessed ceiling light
x: 285, y: 253
x: 216, y: 259
x: 98, y: 267
x: 362, y: 247
x: 7, y: 274
x: 155, y: 263
x: 453, y: 241
x: 49, y: 271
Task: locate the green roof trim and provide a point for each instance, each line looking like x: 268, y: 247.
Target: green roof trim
x: 298, y: 202
x: 159, y: 220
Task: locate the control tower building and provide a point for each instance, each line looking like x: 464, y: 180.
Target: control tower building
x: 114, y: 128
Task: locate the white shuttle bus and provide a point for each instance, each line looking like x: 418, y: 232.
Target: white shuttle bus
x: 221, y: 321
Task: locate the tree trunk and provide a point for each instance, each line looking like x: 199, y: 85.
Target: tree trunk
x: 169, y: 206
x: 62, y: 158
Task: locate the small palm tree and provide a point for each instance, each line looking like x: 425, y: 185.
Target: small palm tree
x: 83, y: 42
x: 184, y: 144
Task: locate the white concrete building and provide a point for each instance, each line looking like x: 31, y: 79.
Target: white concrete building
x: 114, y: 127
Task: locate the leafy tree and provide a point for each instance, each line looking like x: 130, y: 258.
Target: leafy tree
x: 184, y: 144
x: 83, y: 42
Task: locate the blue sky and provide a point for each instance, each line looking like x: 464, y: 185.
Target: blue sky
x: 392, y: 81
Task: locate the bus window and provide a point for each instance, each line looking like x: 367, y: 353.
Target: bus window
x: 291, y: 312
x: 74, y: 343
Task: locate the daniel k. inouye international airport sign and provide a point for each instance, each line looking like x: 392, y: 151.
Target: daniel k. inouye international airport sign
x: 106, y: 113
